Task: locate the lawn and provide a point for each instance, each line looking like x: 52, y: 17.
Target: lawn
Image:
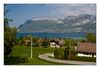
x: 21, y: 56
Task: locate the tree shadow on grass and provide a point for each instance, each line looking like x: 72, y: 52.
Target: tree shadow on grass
x: 14, y: 60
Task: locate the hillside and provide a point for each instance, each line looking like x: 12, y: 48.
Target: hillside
x: 80, y: 23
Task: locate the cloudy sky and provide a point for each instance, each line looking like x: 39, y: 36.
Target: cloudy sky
x: 22, y: 12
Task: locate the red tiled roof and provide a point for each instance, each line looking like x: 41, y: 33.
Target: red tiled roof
x: 86, y: 48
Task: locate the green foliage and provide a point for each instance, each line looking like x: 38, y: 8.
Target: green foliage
x: 80, y: 58
x: 19, y: 41
x: 35, y: 41
x: 26, y: 41
x: 62, y: 53
x: 66, y: 53
x: 21, y: 55
x: 9, y: 35
x: 58, y: 53
x: 70, y: 42
x: 91, y: 37
x: 73, y: 53
x: 45, y: 43
x: 5, y: 23
x: 9, y: 40
x: 83, y: 40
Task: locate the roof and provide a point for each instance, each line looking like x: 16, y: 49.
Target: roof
x: 89, y: 48
x: 55, y: 41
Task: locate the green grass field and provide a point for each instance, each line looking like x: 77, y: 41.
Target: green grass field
x: 21, y: 56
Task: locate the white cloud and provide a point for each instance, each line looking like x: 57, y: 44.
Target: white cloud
x: 72, y: 9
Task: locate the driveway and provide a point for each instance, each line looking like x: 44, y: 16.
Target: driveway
x: 45, y: 57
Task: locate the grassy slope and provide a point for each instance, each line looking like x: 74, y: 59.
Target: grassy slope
x: 21, y: 55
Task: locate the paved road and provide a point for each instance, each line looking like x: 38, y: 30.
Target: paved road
x: 45, y: 57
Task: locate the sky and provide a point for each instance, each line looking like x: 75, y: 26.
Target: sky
x: 22, y: 12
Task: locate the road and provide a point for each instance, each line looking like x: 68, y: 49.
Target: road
x: 45, y: 57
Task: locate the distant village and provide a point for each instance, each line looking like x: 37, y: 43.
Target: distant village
x: 82, y: 47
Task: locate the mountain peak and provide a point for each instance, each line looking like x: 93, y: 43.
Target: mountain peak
x: 80, y: 23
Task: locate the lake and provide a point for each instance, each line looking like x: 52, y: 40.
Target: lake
x: 54, y: 35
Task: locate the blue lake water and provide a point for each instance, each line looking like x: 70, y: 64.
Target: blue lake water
x: 54, y: 35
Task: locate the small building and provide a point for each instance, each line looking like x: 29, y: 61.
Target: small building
x: 61, y: 42
x: 54, y: 44
x: 86, y: 49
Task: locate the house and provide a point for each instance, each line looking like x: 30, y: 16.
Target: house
x: 61, y: 42
x: 86, y: 49
x: 54, y: 44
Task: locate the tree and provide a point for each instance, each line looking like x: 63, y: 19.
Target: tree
x: 91, y: 37
x: 9, y: 40
x: 69, y: 42
x: 45, y: 43
x: 19, y: 41
x: 27, y: 40
x: 66, y: 53
x: 35, y: 41
x: 58, y: 53
x: 9, y: 35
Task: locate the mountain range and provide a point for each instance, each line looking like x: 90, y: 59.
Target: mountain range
x: 79, y: 23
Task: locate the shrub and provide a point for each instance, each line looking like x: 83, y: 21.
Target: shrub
x: 80, y: 58
x: 58, y: 53
x: 73, y: 53
x: 66, y: 53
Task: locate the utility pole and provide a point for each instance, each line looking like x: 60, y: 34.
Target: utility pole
x: 31, y: 46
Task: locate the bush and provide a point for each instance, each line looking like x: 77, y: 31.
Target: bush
x: 80, y: 58
x: 45, y: 44
x: 62, y: 53
x: 66, y: 53
x: 73, y: 53
x: 58, y: 53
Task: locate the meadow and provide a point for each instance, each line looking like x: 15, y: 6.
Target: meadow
x: 21, y: 56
